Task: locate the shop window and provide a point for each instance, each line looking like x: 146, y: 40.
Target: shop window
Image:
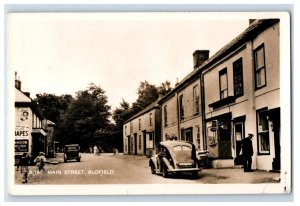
x: 263, y: 132
x: 223, y: 83
x: 260, y: 67
x: 238, y: 78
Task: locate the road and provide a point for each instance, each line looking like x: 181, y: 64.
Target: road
x: 124, y: 169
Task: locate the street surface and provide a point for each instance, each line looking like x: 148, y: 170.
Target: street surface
x: 129, y: 169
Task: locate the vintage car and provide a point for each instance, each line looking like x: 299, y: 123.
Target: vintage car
x: 71, y: 151
x: 175, y: 157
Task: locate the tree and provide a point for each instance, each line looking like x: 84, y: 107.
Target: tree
x: 86, y: 118
x: 164, y: 88
x: 147, y: 93
x: 52, y: 106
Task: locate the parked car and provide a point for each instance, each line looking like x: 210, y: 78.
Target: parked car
x: 72, y: 151
x: 175, y: 157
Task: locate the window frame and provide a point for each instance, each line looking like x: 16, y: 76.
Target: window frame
x: 256, y: 70
x: 238, y: 71
x: 267, y: 132
x: 150, y: 119
x: 181, y: 107
x: 140, y: 124
x: 196, y: 99
x: 221, y: 73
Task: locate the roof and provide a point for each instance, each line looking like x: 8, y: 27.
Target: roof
x: 251, y: 32
x: 147, y: 109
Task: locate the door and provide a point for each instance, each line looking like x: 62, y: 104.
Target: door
x: 135, y: 144
x: 144, y: 143
x: 225, y: 139
x: 128, y: 144
x: 238, y: 137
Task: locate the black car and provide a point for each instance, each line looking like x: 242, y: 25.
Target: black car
x: 71, y: 151
x: 175, y: 157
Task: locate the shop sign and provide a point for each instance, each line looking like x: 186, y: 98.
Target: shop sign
x: 21, y: 145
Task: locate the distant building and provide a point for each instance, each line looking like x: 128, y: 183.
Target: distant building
x: 142, y: 132
x: 30, y: 134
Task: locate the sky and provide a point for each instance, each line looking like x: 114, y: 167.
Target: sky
x: 61, y: 53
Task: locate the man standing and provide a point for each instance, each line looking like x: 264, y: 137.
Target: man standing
x: 24, y: 163
x: 247, y: 150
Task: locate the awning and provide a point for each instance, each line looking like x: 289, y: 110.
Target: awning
x: 39, y: 131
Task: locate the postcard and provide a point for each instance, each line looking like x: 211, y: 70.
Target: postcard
x: 135, y: 103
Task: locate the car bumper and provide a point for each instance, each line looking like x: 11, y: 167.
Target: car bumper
x: 185, y: 170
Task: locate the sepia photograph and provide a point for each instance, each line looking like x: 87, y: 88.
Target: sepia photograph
x: 118, y: 103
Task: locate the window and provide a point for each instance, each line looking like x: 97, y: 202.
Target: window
x: 181, y: 108
x: 140, y: 124
x: 238, y: 77
x: 150, y: 120
x: 165, y: 116
x: 125, y: 129
x: 259, y: 67
x: 223, y: 83
x: 263, y: 132
x: 131, y: 127
x: 196, y: 98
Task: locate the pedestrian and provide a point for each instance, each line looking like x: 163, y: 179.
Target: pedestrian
x: 91, y: 149
x: 24, y: 163
x: 247, y: 152
x: 40, y: 162
x: 96, y: 150
x: 99, y: 150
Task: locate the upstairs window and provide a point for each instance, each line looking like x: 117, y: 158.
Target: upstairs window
x: 196, y: 98
x: 150, y: 119
x: 238, y: 78
x: 223, y: 83
x: 181, y: 108
x: 140, y: 124
x: 259, y: 67
x: 165, y: 116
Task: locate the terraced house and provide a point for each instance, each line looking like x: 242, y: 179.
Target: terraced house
x: 227, y: 96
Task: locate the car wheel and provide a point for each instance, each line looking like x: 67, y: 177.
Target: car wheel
x: 194, y: 174
x: 78, y: 159
x: 152, y: 169
x: 165, y: 172
x: 65, y: 160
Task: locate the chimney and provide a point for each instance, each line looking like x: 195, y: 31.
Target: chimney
x: 200, y: 56
x: 17, y: 82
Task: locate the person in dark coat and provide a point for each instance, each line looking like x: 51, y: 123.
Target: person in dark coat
x: 24, y: 163
x: 247, y: 152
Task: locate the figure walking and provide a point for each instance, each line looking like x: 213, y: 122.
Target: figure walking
x: 24, y: 163
x: 40, y: 162
x: 247, y: 151
x: 96, y: 150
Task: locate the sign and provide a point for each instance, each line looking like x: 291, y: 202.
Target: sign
x: 21, y: 145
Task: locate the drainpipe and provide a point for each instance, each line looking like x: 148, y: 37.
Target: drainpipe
x: 203, y: 110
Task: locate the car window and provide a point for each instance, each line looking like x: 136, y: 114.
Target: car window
x: 186, y: 148
x: 177, y: 148
x: 182, y: 147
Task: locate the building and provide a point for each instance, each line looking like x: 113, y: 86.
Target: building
x: 181, y: 107
x: 241, y: 93
x: 142, y: 132
x: 30, y: 135
x: 225, y: 97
